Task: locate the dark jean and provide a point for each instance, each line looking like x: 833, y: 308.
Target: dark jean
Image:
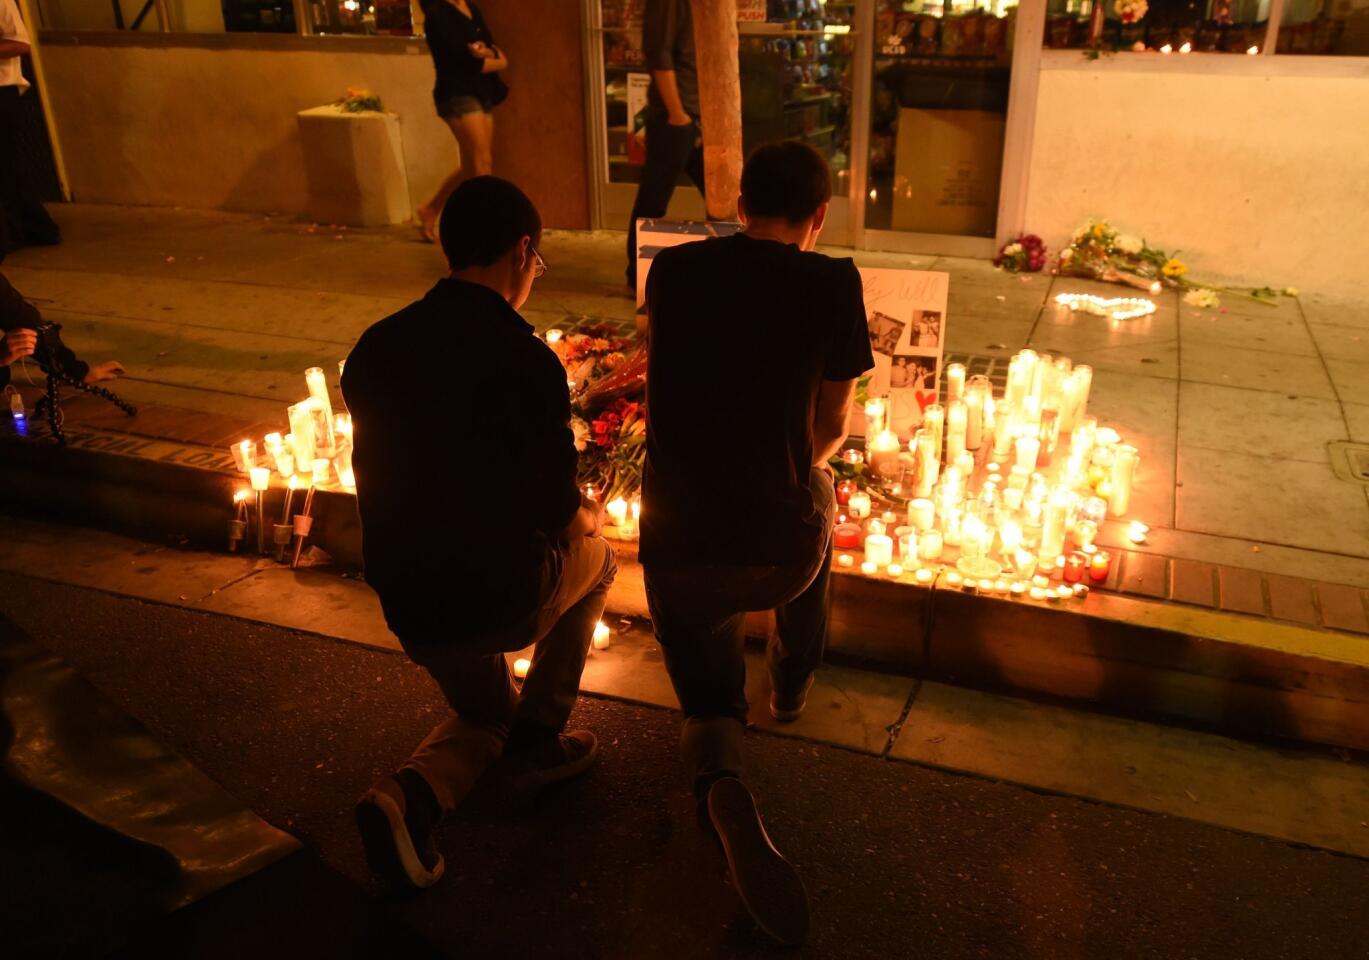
x: 699, y: 614
x: 474, y: 676
x: 462, y: 104
x: 670, y: 151
x: 23, y: 219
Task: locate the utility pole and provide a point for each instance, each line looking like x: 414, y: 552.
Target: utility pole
x: 720, y: 104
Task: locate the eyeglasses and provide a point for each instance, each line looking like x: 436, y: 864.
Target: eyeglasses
x: 539, y: 269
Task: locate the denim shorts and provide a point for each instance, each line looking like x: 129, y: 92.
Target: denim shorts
x: 463, y: 104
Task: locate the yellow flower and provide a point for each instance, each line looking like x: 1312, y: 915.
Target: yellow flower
x: 1174, y: 269
x: 1100, y: 230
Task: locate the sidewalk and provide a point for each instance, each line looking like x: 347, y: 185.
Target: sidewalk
x: 1233, y: 411
x: 1312, y: 796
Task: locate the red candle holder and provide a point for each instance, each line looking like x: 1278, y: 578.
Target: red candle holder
x: 1074, y: 568
x: 1099, y: 566
x: 844, y: 490
x: 847, y: 536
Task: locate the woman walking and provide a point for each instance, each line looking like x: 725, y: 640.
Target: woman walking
x: 466, y: 92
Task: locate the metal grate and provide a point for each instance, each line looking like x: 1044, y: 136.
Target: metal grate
x: 1350, y: 461
x: 995, y: 368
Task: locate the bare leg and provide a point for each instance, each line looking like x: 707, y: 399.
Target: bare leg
x: 474, y: 134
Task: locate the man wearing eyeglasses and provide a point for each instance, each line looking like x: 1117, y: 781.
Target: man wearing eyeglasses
x: 467, y: 567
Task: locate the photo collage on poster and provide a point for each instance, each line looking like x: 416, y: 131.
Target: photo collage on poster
x: 906, y: 312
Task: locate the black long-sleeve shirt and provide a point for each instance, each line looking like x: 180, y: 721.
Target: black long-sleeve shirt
x: 668, y: 42
x: 465, y: 462
x: 16, y: 313
x: 460, y: 73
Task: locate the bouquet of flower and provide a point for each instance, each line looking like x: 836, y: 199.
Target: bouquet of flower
x: 1025, y: 254
x: 1100, y: 252
x: 593, y: 354
x: 613, y: 449
x: 1130, y: 11
x: 359, y: 100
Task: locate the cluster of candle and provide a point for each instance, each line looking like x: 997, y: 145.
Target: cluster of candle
x: 1012, y: 490
x: 317, y: 448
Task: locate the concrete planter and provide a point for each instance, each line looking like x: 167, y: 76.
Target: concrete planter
x: 354, y: 163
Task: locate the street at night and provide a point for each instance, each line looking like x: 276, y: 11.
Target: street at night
x: 901, y: 860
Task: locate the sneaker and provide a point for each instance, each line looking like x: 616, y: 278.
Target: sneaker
x: 533, y: 762
x: 767, y: 883
x: 786, y: 708
x: 396, y: 826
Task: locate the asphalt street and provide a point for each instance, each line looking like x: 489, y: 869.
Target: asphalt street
x: 900, y: 860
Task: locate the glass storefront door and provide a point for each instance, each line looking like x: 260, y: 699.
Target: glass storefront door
x: 908, y: 99
x: 939, y: 80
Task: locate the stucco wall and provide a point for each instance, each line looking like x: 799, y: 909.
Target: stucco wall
x: 1260, y: 178
x: 200, y: 125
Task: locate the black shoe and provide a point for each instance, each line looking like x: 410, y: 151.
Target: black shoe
x: 786, y: 707
x: 532, y: 762
x: 768, y: 884
x: 396, y: 823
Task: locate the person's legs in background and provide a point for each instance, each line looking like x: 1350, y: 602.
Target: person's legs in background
x: 670, y: 151
x: 474, y: 133
x: 23, y: 218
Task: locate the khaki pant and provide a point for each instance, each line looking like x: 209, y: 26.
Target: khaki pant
x: 475, y: 678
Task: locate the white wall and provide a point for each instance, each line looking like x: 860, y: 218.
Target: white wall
x: 1260, y: 178
x: 205, y: 127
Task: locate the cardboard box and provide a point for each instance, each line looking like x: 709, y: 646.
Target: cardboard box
x: 947, y: 168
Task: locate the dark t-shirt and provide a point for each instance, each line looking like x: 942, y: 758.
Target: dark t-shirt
x: 743, y: 332
x: 459, y: 72
x: 465, y: 462
x: 668, y: 42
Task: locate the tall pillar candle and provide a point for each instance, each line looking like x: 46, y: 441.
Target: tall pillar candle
x: 934, y: 422
x: 928, y: 466
x: 325, y: 443
x: 1004, y: 430
x: 874, y: 417
x: 302, y: 429
x: 1053, y: 525
x: 318, y: 389
x: 956, y: 420
x: 1124, y: 462
x: 974, y: 416
x: 955, y: 382
x: 1084, y: 374
x: 1028, y: 449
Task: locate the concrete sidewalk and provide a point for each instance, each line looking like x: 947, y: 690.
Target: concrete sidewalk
x: 1233, y: 411
x: 1305, y: 795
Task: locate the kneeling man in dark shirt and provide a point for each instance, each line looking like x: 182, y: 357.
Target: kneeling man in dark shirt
x: 474, y: 533
x: 738, y: 515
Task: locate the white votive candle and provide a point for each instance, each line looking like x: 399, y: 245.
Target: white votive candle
x: 521, y: 667
x: 859, y: 505
x: 321, y: 467
x: 260, y: 478
x: 923, y: 576
x: 869, y: 569
x: 879, y: 549
x: 954, y: 579
x: 921, y: 513
x: 846, y: 560
x: 1137, y: 532
x: 603, y: 636
x: 894, y: 570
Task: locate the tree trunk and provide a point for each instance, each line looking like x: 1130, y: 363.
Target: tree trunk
x: 720, y: 104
